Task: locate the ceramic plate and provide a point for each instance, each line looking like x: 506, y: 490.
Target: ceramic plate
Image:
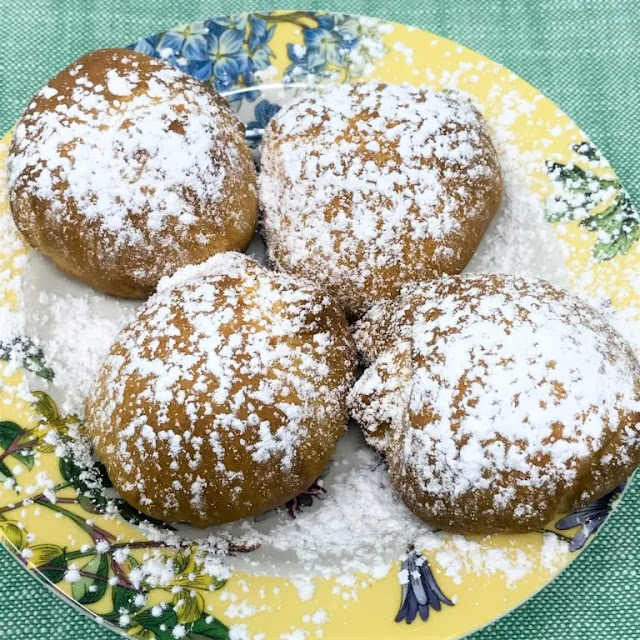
x: 565, y: 217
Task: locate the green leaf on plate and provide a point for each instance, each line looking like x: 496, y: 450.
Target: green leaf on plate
x: 189, y: 606
x: 35, y: 363
x: 13, y: 535
x: 27, y: 459
x: 161, y: 625
x: 45, y: 406
x: 214, y: 629
x: 25, y: 456
x: 600, y: 203
x: 180, y: 561
x: 5, y: 472
x: 618, y: 227
x: 89, y: 589
x: 71, y: 472
x: 43, y: 554
x: 9, y: 431
x: 123, y: 599
x: 94, y: 503
x: 587, y: 150
x: 30, y: 356
x: 56, y: 568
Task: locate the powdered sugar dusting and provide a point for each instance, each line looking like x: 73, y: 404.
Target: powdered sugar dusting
x: 78, y: 338
x: 119, y: 184
x: 124, y: 158
x: 497, y: 378
x: 225, y: 357
x: 369, y: 184
x: 322, y: 539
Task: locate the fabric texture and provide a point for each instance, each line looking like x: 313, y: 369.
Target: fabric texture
x: 583, y: 54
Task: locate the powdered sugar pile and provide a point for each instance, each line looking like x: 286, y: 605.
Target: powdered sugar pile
x: 321, y: 540
x: 12, y: 261
x: 519, y: 240
x: 77, y: 336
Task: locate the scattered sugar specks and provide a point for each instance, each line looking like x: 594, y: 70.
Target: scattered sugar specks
x: 305, y: 588
x: 320, y: 617
x: 239, y: 632
x: 405, y: 51
x: 295, y: 634
x: 554, y: 552
x: 240, y: 610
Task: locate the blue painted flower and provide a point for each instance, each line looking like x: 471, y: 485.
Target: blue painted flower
x: 171, y: 57
x: 146, y: 46
x: 228, y: 57
x: 259, y: 36
x: 589, y: 518
x: 326, y: 43
x: 188, y: 39
x: 199, y: 69
x: 245, y: 93
x: 264, y: 111
x: 338, y: 45
x: 304, y: 61
x: 224, y: 23
x: 326, y: 21
x: 420, y: 592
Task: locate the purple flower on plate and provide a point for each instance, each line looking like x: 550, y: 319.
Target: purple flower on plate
x: 420, y: 592
x: 305, y: 499
x: 589, y: 518
x: 301, y: 502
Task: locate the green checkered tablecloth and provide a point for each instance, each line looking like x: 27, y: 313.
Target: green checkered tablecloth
x: 583, y: 54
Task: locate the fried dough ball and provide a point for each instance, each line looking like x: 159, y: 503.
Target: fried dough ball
x: 498, y: 401
x: 365, y: 188
x: 123, y: 169
x: 225, y: 396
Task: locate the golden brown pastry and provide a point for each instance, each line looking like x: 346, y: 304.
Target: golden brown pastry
x: 226, y: 394
x: 365, y: 188
x: 123, y: 169
x: 498, y: 401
